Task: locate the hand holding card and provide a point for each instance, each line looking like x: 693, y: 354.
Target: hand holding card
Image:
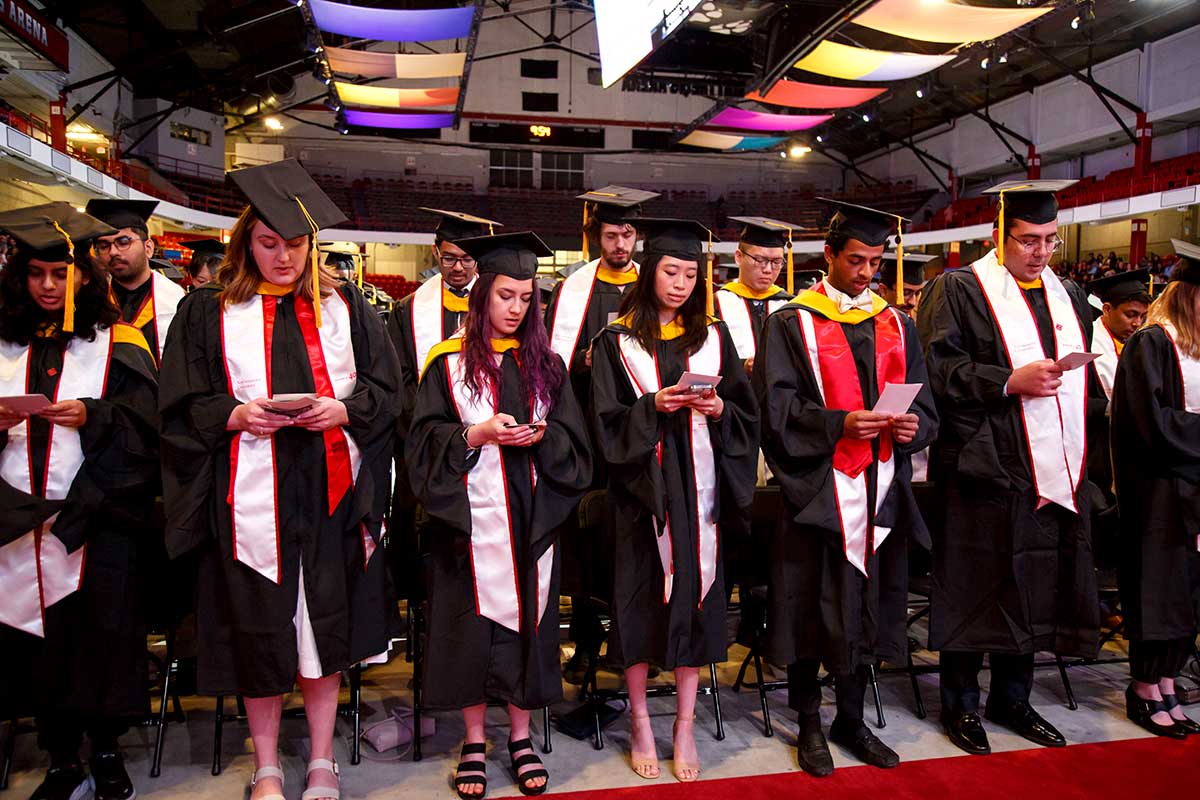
x: 1075, y: 360
x: 25, y: 404
x: 897, y: 398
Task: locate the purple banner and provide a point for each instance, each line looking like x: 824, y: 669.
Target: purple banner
x: 381, y: 119
x: 744, y: 120
x: 393, y: 25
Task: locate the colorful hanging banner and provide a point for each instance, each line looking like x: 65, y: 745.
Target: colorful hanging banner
x: 945, y: 21
x: 379, y: 119
x: 760, y: 121
x: 728, y: 141
x: 393, y: 25
x: 395, y: 65
x: 354, y: 94
x: 796, y: 94
x: 860, y: 64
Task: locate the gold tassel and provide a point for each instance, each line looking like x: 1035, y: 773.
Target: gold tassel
x: 791, y: 288
x: 361, y: 267
x: 708, y: 289
x: 1151, y: 285
x: 314, y: 257
x: 1000, y: 237
x: 899, y: 261
x: 69, y: 301
x: 586, y: 255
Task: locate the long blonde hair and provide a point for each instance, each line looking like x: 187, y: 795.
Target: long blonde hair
x: 238, y: 273
x: 1177, y: 305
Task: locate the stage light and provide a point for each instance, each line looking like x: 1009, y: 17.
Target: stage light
x: 1075, y: 24
x: 783, y: 153
x: 983, y: 64
x: 799, y: 151
x: 920, y: 93
x: 273, y: 123
x: 866, y: 117
x: 820, y: 138
x: 1004, y: 57
x: 341, y: 128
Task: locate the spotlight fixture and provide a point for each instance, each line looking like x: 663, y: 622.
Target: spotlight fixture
x: 799, y: 151
x: 920, y: 93
x: 341, y: 127
x: 820, y: 138
x: 1003, y: 58
x: 273, y: 123
x: 866, y: 117
x: 1075, y: 24
x: 783, y: 153
x: 985, y: 62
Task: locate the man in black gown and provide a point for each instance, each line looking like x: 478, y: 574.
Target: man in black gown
x: 839, y: 559
x: 1012, y: 566
x: 147, y: 298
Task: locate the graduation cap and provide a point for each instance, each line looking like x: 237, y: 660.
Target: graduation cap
x: 612, y: 205
x: 455, y: 225
x: 1031, y: 201
x: 1116, y: 289
x: 50, y: 233
x: 870, y: 226
x: 290, y: 202
x: 123, y: 213
x: 679, y: 238
x: 887, y: 272
x: 808, y: 278
x: 546, y: 286
x: 167, y: 269
x: 426, y: 274
x: 766, y: 232
x: 203, y: 247
x: 570, y: 269
x: 1187, y: 268
x: 511, y: 254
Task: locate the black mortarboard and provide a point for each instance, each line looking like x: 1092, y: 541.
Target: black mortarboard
x: 615, y: 205
x: 1032, y: 201
x: 288, y: 199
x: 887, y: 270
x: 51, y: 232
x: 680, y: 238
x: 870, y: 226
x: 766, y: 232
x: 1187, y: 268
x: 455, y: 225
x: 340, y: 261
x: 205, y: 246
x: 167, y: 269
x: 546, y: 287
x: 511, y: 254
x: 1116, y: 289
x: 808, y: 278
x: 123, y: 213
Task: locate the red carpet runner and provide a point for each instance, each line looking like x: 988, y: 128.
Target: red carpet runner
x: 1134, y: 769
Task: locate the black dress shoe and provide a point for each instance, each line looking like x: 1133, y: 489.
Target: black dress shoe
x: 1019, y: 717
x: 111, y: 780
x: 865, y: 745
x: 1142, y: 712
x: 812, y: 752
x: 967, y: 733
x: 1188, y: 724
x: 67, y: 782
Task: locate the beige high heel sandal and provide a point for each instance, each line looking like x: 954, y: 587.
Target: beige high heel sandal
x: 646, y: 768
x: 267, y: 772
x: 681, y: 767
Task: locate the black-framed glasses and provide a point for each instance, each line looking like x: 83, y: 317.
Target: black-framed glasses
x: 120, y: 244
x: 449, y: 262
x: 1032, y: 246
x: 769, y: 263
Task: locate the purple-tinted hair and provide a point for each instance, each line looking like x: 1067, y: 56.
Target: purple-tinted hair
x: 541, y: 370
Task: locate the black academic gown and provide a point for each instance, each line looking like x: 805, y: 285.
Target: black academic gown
x: 402, y: 529
x: 92, y: 660
x: 130, y: 302
x: 1007, y: 577
x: 469, y: 659
x: 820, y: 606
x: 689, y: 630
x: 1156, y: 447
x: 758, y: 311
x: 245, y: 629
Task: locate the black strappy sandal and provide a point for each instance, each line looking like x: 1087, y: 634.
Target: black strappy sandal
x: 523, y: 769
x: 472, y: 770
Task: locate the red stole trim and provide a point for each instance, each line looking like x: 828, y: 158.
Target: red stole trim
x: 337, y: 450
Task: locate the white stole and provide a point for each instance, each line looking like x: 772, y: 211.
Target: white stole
x: 165, y: 295
x: 735, y: 311
x: 36, y: 570
x: 1106, y: 364
x: 493, y: 551
x: 570, y: 309
x: 1054, y: 426
x: 642, y: 370
x: 252, y: 494
x: 850, y: 493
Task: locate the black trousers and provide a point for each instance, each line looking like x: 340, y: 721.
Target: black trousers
x: 804, y: 693
x: 1012, y: 680
x: 1152, y: 660
x: 60, y: 735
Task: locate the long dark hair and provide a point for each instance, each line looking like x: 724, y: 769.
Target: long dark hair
x: 641, y: 304
x: 541, y: 369
x: 21, y: 317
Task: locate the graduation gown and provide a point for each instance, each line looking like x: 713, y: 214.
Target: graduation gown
x: 652, y: 478
x: 1008, y: 577
x: 746, y: 314
x: 402, y: 535
x: 150, y: 307
x: 245, y: 624
x: 820, y: 605
x: 1156, y: 448
x: 493, y: 614
x: 92, y: 659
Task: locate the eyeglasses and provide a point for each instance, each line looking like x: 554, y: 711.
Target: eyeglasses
x: 121, y: 244
x: 450, y: 261
x: 769, y: 263
x: 1034, y: 245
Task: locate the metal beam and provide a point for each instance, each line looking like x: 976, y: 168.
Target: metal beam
x: 162, y: 116
x: 999, y: 130
x: 103, y: 76
x: 472, y: 40
x: 846, y: 164
x: 507, y: 13
x: 75, y: 115
x: 1098, y: 88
